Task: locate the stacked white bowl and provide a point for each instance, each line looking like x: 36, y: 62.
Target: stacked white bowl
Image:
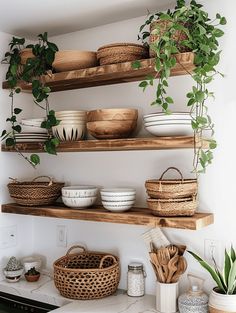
x: 79, y: 196
x: 118, y: 199
x: 72, y: 125
x: 174, y: 124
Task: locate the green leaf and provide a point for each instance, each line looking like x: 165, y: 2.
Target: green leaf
x: 227, y: 267
x: 17, y: 128
x: 232, y: 278
x: 136, y: 65
x: 18, y: 90
x: 17, y: 111
x: 212, y: 144
x: 143, y: 84
x: 201, y: 120
x: 10, y: 142
x: 223, y: 21
x: 3, y: 133
x: 169, y: 100
x: 35, y: 159
x: 232, y: 254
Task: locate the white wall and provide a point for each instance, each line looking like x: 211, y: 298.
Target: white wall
x: 133, y: 168
x: 13, y: 166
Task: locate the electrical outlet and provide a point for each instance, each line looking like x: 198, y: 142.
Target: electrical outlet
x: 212, y: 250
x: 61, y: 236
x: 8, y: 236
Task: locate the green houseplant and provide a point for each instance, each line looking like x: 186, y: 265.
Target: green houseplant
x: 186, y: 28
x: 43, y: 54
x: 223, y: 297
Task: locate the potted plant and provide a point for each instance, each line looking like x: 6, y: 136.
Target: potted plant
x: 28, y: 64
x: 222, y: 297
x: 32, y: 275
x: 186, y: 28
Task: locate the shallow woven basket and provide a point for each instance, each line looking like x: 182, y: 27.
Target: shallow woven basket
x: 173, y: 207
x: 86, y: 275
x: 163, y: 26
x: 121, y: 52
x: 34, y: 192
x: 171, y: 188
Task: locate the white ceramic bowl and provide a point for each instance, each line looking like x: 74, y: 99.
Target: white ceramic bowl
x: 79, y: 202
x: 118, y: 198
x: 120, y: 206
x: 69, y: 132
x: 79, y: 191
x: 32, y: 129
x: 33, y: 121
x: 13, y: 276
x: 164, y: 122
x: 31, y: 262
x: 166, y: 117
x: 171, y: 130
x: 118, y: 192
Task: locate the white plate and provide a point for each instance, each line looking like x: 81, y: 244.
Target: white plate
x: 79, y: 202
x: 79, y: 191
x: 163, y: 116
x: 32, y: 129
x: 167, y: 122
x: 118, y: 191
x: 171, y: 130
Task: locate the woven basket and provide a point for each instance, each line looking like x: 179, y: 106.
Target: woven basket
x: 121, y: 52
x: 34, y: 192
x: 171, y: 189
x: 163, y: 26
x: 173, y: 207
x: 86, y: 275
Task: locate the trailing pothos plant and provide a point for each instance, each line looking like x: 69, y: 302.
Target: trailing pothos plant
x: 201, y: 37
x: 39, y: 64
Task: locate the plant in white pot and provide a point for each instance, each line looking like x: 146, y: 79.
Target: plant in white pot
x: 223, y: 297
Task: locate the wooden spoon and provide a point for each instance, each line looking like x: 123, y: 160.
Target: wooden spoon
x: 155, y: 262
x: 163, y: 256
x: 181, y: 268
x: 172, y: 267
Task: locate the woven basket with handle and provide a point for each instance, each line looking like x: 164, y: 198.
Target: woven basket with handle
x: 86, y: 275
x: 171, y: 188
x: 35, y: 192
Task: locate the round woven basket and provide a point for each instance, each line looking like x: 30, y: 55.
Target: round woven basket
x: 86, y: 275
x: 162, y: 27
x: 121, y: 52
x: 173, y: 207
x: 171, y: 188
x: 34, y: 192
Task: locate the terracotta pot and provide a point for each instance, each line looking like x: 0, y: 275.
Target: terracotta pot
x: 32, y: 278
x: 26, y: 54
x: 221, y: 303
x: 112, y: 115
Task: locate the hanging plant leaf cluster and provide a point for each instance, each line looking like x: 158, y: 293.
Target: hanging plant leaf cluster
x: 39, y: 63
x: 186, y: 28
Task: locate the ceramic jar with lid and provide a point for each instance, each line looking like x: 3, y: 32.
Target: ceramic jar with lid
x: 136, y: 280
x: 194, y: 300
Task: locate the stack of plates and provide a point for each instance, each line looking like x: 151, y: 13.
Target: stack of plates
x: 31, y: 131
x: 118, y: 199
x: 79, y: 196
x: 31, y: 137
x: 72, y: 125
x: 162, y: 124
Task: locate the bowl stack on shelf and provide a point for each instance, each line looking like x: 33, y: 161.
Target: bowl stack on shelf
x: 162, y: 124
x: 112, y: 123
x: 118, y: 199
x: 172, y: 197
x: 79, y: 196
x: 72, y: 125
x: 31, y: 131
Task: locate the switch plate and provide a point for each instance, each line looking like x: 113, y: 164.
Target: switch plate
x: 8, y: 236
x: 61, y: 236
x: 212, y: 250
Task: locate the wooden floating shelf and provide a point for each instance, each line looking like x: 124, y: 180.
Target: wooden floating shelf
x: 152, y: 143
x: 110, y: 74
x: 136, y: 216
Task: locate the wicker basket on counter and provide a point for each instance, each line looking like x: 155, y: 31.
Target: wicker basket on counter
x: 86, y: 275
x: 171, y: 188
x: 32, y: 193
x: 173, y: 207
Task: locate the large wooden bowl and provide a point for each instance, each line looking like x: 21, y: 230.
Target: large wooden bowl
x: 26, y: 54
x: 111, y: 129
x: 112, y: 115
x: 69, y: 60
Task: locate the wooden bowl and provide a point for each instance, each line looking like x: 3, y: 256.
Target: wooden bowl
x: 26, y: 54
x: 69, y: 60
x: 111, y: 129
x: 112, y: 115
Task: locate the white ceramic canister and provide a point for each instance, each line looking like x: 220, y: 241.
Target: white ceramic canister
x: 220, y: 303
x: 166, y: 297
x: 136, y: 280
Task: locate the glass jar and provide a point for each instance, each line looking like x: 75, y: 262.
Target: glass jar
x: 136, y: 280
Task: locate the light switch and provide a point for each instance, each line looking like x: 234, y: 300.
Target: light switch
x: 8, y: 236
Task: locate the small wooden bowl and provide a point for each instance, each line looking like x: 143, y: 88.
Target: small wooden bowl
x: 32, y: 278
x: 112, y: 115
x: 69, y: 60
x: 26, y: 54
x: 111, y: 129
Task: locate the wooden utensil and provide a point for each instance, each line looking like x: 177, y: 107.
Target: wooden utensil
x: 172, y: 268
x: 181, y: 268
x: 173, y: 250
x: 155, y: 262
x: 163, y: 256
x: 181, y: 249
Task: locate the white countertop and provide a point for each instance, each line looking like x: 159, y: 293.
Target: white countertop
x: 44, y: 291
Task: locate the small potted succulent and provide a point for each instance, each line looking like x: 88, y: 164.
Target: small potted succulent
x: 32, y: 275
x: 13, y: 270
x: 222, y: 297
